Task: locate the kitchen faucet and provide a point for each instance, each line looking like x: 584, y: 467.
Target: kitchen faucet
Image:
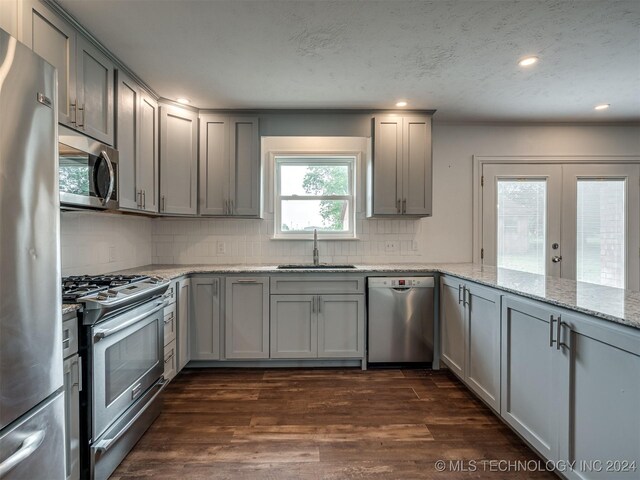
x: 316, y: 253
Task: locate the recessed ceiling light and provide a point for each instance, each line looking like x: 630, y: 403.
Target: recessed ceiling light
x: 528, y: 61
x: 604, y: 106
x: 401, y: 103
x: 184, y: 101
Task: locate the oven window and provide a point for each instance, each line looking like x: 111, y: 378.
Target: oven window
x: 129, y: 359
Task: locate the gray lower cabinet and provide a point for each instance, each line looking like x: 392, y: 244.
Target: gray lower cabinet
x: 247, y: 318
x: 294, y: 326
x: 453, y: 331
x: 531, y: 371
x: 470, y: 336
x: 205, y: 320
x: 184, y: 305
x: 170, y: 361
x: 178, y: 160
x: 341, y: 320
x: 72, y: 387
x: 598, y: 398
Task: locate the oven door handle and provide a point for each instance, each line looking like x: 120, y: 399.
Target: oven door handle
x: 104, y: 445
x: 104, y: 333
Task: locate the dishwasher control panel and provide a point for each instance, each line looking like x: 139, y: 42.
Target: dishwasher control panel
x: 401, y: 282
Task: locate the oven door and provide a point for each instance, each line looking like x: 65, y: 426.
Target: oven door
x: 128, y: 358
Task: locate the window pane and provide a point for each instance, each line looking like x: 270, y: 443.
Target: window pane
x: 522, y: 225
x: 314, y: 180
x: 600, y: 232
x: 305, y: 215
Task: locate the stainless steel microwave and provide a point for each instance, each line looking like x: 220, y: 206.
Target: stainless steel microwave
x: 87, y: 171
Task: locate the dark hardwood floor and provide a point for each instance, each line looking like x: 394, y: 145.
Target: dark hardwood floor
x: 323, y: 424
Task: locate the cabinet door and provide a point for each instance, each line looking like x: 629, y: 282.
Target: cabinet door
x: 205, y: 321
x: 294, y: 326
x: 147, y: 167
x: 452, y: 325
x: 184, y: 317
x: 9, y: 17
x: 128, y: 95
x: 214, y: 164
x: 247, y: 318
x: 72, y: 389
x: 483, y: 343
x: 244, y: 150
x: 387, y: 165
x: 416, y: 165
x: 599, y: 396
x: 178, y: 160
x: 341, y: 326
x: 54, y: 40
x: 170, y: 362
x: 530, y: 372
x: 94, y: 76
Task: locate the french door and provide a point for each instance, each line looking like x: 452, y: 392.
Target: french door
x: 576, y: 221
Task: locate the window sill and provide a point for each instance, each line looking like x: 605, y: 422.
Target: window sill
x: 310, y: 238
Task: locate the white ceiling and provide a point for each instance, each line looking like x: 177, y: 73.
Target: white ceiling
x: 459, y: 57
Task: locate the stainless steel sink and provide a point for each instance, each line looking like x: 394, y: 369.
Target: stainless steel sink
x: 311, y: 266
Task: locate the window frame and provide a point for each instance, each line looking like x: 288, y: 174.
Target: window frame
x: 322, y: 160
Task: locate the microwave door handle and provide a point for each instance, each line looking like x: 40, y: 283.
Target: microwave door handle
x: 112, y: 179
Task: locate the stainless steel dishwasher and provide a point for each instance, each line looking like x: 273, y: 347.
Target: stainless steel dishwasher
x: 401, y: 322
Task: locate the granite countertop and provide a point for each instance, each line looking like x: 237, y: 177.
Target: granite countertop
x: 613, y: 304
x: 69, y: 307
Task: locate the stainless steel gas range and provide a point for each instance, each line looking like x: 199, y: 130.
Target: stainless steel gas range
x: 121, y: 336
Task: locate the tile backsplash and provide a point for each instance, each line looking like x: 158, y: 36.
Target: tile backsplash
x: 98, y: 242
x: 247, y: 241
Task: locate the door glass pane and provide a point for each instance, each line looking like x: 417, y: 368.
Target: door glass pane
x: 130, y: 358
x: 600, y: 232
x: 522, y: 225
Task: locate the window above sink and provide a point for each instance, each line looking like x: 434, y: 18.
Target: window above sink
x: 315, y: 192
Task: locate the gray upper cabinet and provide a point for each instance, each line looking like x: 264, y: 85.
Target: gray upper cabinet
x: 85, y: 74
x: 127, y: 112
x: 205, y: 321
x: 178, y: 160
x: 229, y: 166
x: 400, y: 177
x: 247, y: 318
x: 94, y: 81
x: 54, y: 40
x: 137, y: 143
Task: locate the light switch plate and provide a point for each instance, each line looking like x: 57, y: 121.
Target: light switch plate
x: 222, y: 249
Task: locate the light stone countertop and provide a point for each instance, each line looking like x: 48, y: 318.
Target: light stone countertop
x: 69, y: 307
x: 613, y: 304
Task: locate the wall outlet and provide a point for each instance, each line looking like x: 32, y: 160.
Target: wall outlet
x: 112, y: 254
x: 222, y: 248
x: 391, y: 246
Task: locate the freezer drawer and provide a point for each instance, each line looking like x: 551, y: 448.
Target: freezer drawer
x: 34, y: 447
x: 401, y: 320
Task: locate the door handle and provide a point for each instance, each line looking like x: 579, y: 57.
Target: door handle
x: 72, y: 108
x: 556, y: 258
x: 558, y: 331
x: 28, y: 446
x: 144, y: 199
x: 247, y: 281
x: 551, y: 320
x: 84, y: 114
x: 459, y: 294
x: 112, y: 178
x: 398, y: 207
x: 404, y: 205
x: 164, y: 203
x: 313, y: 304
x: 465, y: 296
x: 319, y: 304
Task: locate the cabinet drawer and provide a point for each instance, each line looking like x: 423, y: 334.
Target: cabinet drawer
x: 317, y: 284
x: 171, y: 293
x: 69, y: 337
x: 170, y: 361
x: 169, y: 324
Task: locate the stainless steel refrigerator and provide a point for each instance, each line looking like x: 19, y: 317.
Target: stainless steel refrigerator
x: 31, y: 398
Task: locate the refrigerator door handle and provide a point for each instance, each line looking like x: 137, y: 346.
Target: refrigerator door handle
x: 28, y: 446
